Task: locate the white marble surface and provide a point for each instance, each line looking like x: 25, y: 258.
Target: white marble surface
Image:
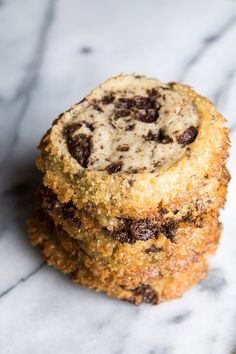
x: 52, y: 53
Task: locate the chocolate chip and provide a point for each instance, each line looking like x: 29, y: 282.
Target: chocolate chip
x: 70, y: 129
x: 157, y: 164
x: 124, y: 147
x: 153, y: 136
x: 97, y: 108
x: 147, y: 115
x: 148, y: 294
x: 89, y: 126
x: 144, y: 102
x: 48, y: 199
x: 163, y: 211
x: 130, y: 127
x: 134, y: 230
x: 111, y: 124
x: 121, y: 113
x: 124, y: 103
x: 153, y: 93
x: 79, y: 146
x: 68, y: 212
x: 134, y: 170
x: 141, y: 230
x: 188, y: 136
x: 107, y: 99
x: 169, y: 230
x: 131, y: 181
x: 153, y: 249
x: 159, y: 137
x: 114, y: 167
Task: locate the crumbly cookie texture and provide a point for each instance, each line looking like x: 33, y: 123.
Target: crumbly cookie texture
x: 129, y: 125
x: 140, y: 262
x: 192, y: 143
x: 136, y: 242
x: 151, y: 289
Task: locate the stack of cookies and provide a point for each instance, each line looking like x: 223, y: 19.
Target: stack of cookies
x: 133, y: 179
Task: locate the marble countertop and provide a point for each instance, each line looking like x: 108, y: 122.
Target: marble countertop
x: 52, y: 53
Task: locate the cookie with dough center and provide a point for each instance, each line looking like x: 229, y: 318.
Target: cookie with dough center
x: 136, y: 146
x: 130, y: 126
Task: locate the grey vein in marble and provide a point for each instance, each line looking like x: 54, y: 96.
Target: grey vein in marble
x: 181, y: 317
x: 214, y: 283
x: 206, y: 43
x: 22, y: 280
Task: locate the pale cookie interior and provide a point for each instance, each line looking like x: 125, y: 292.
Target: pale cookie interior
x: 129, y: 124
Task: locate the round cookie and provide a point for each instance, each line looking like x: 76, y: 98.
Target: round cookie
x: 124, y: 230
x: 135, y: 147
x: 159, y: 288
x: 107, y: 256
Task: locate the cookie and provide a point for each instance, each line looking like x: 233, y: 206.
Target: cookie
x: 135, y: 147
x: 136, y: 245
x: 156, y: 289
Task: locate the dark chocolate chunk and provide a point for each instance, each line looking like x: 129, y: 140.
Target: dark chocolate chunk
x: 157, y: 164
x: 164, y: 138
x: 121, y: 113
x: 163, y: 211
x: 153, y: 249
x: 134, y: 170
x: 169, y: 230
x: 144, y: 102
x: 153, y: 136
x: 159, y: 137
x: 68, y: 210
x: 68, y: 213
x: 141, y: 229
x: 48, y: 198
x: 97, y: 108
x: 147, y: 115
x: 114, y: 167
x: 131, y: 181
x: 188, y: 136
x: 130, y: 127
x: 148, y: 294
x: 153, y: 93
x: 89, y: 126
x: 80, y: 147
x: 124, y: 103
x: 124, y: 147
x: 134, y: 230
x: 107, y: 99
x: 70, y: 129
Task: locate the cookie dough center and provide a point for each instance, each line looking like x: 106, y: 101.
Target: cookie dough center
x: 133, y: 130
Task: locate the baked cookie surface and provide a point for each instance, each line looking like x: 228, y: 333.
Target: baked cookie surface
x: 128, y: 124
x: 73, y: 262
x: 170, y: 162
